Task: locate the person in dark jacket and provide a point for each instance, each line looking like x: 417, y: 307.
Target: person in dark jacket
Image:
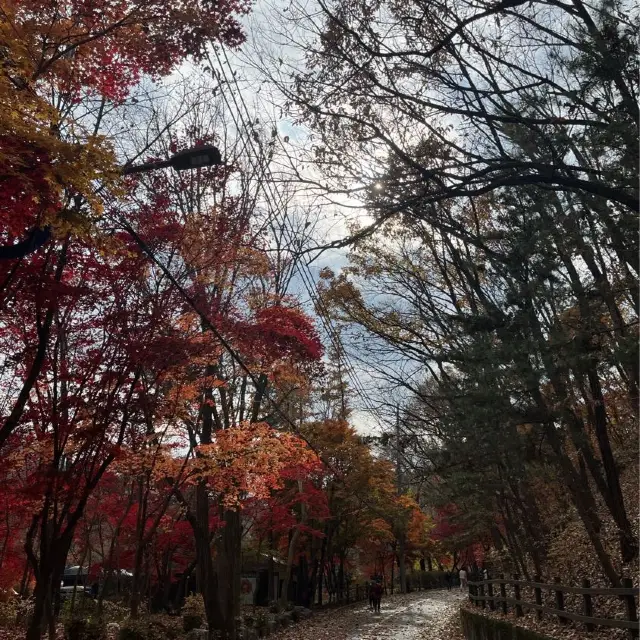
x: 370, y: 593
x: 377, y: 595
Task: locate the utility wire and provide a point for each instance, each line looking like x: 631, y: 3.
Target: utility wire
x: 236, y: 356
x: 305, y: 273
x: 232, y: 352
x: 209, y: 325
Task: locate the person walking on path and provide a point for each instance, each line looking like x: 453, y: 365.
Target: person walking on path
x: 377, y: 596
x: 370, y: 584
x: 463, y: 579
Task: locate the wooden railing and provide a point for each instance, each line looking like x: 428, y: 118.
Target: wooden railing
x: 493, y: 594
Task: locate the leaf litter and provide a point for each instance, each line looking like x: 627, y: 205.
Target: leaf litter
x: 416, y: 616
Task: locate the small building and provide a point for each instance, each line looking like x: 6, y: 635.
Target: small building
x: 254, y: 578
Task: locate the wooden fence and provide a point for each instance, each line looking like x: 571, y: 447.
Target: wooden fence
x: 496, y: 593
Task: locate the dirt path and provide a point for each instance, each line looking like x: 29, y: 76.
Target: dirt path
x: 412, y: 617
x: 416, y: 616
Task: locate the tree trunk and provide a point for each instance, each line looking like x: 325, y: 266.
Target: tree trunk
x: 610, y: 489
x: 628, y: 543
x: 292, y: 546
x: 110, y: 557
x: 271, y: 596
x: 205, y: 572
x: 393, y: 566
x: 323, y: 557
x: 134, y: 601
x: 24, y: 583
x: 166, y: 587
x: 584, y: 503
x: 181, y: 591
x: 284, y: 596
x: 228, y: 569
x: 41, y: 593
x: 402, y: 568
x: 341, y: 579
x: 313, y: 580
x: 48, y: 570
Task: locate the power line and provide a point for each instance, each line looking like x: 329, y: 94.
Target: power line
x: 305, y: 273
x: 235, y: 355
x: 209, y: 325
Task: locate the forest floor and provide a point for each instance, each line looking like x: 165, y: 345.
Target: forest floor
x: 425, y: 615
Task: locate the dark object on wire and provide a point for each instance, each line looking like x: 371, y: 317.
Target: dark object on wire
x: 194, y: 158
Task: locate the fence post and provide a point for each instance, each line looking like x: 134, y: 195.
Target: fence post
x: 357, y: 593
x: 630, y: 603
x: 471, y: 594
x: 560, y: 601
x: 538, y: 595
x: 492, y: 604
x: 588, y: 609
x: 503, y: 595
x: 516, y: 594
x: 483, y: 604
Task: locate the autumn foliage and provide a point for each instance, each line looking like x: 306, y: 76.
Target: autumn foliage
x: 158, y: 385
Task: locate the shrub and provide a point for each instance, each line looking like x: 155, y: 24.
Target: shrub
x: 81, y: 629
x: 249, y: 620
x: 261, y: 622
x: 9, y: 614
x: 24, y: 611
x: 133, y: 630
x: 274, y: 607
x: 114, y: 611
x: 194, y: 605
x: 193, y: 613
x: 191, y: 621
x: 161, y: 626
x: 150, y: 628
x: 283, y: 620
x: 83, y: 608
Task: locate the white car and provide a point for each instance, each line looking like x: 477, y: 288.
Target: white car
x: 67, y: 592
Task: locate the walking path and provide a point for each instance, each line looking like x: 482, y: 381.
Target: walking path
x: 416, y: 616
x: 411, y: 617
